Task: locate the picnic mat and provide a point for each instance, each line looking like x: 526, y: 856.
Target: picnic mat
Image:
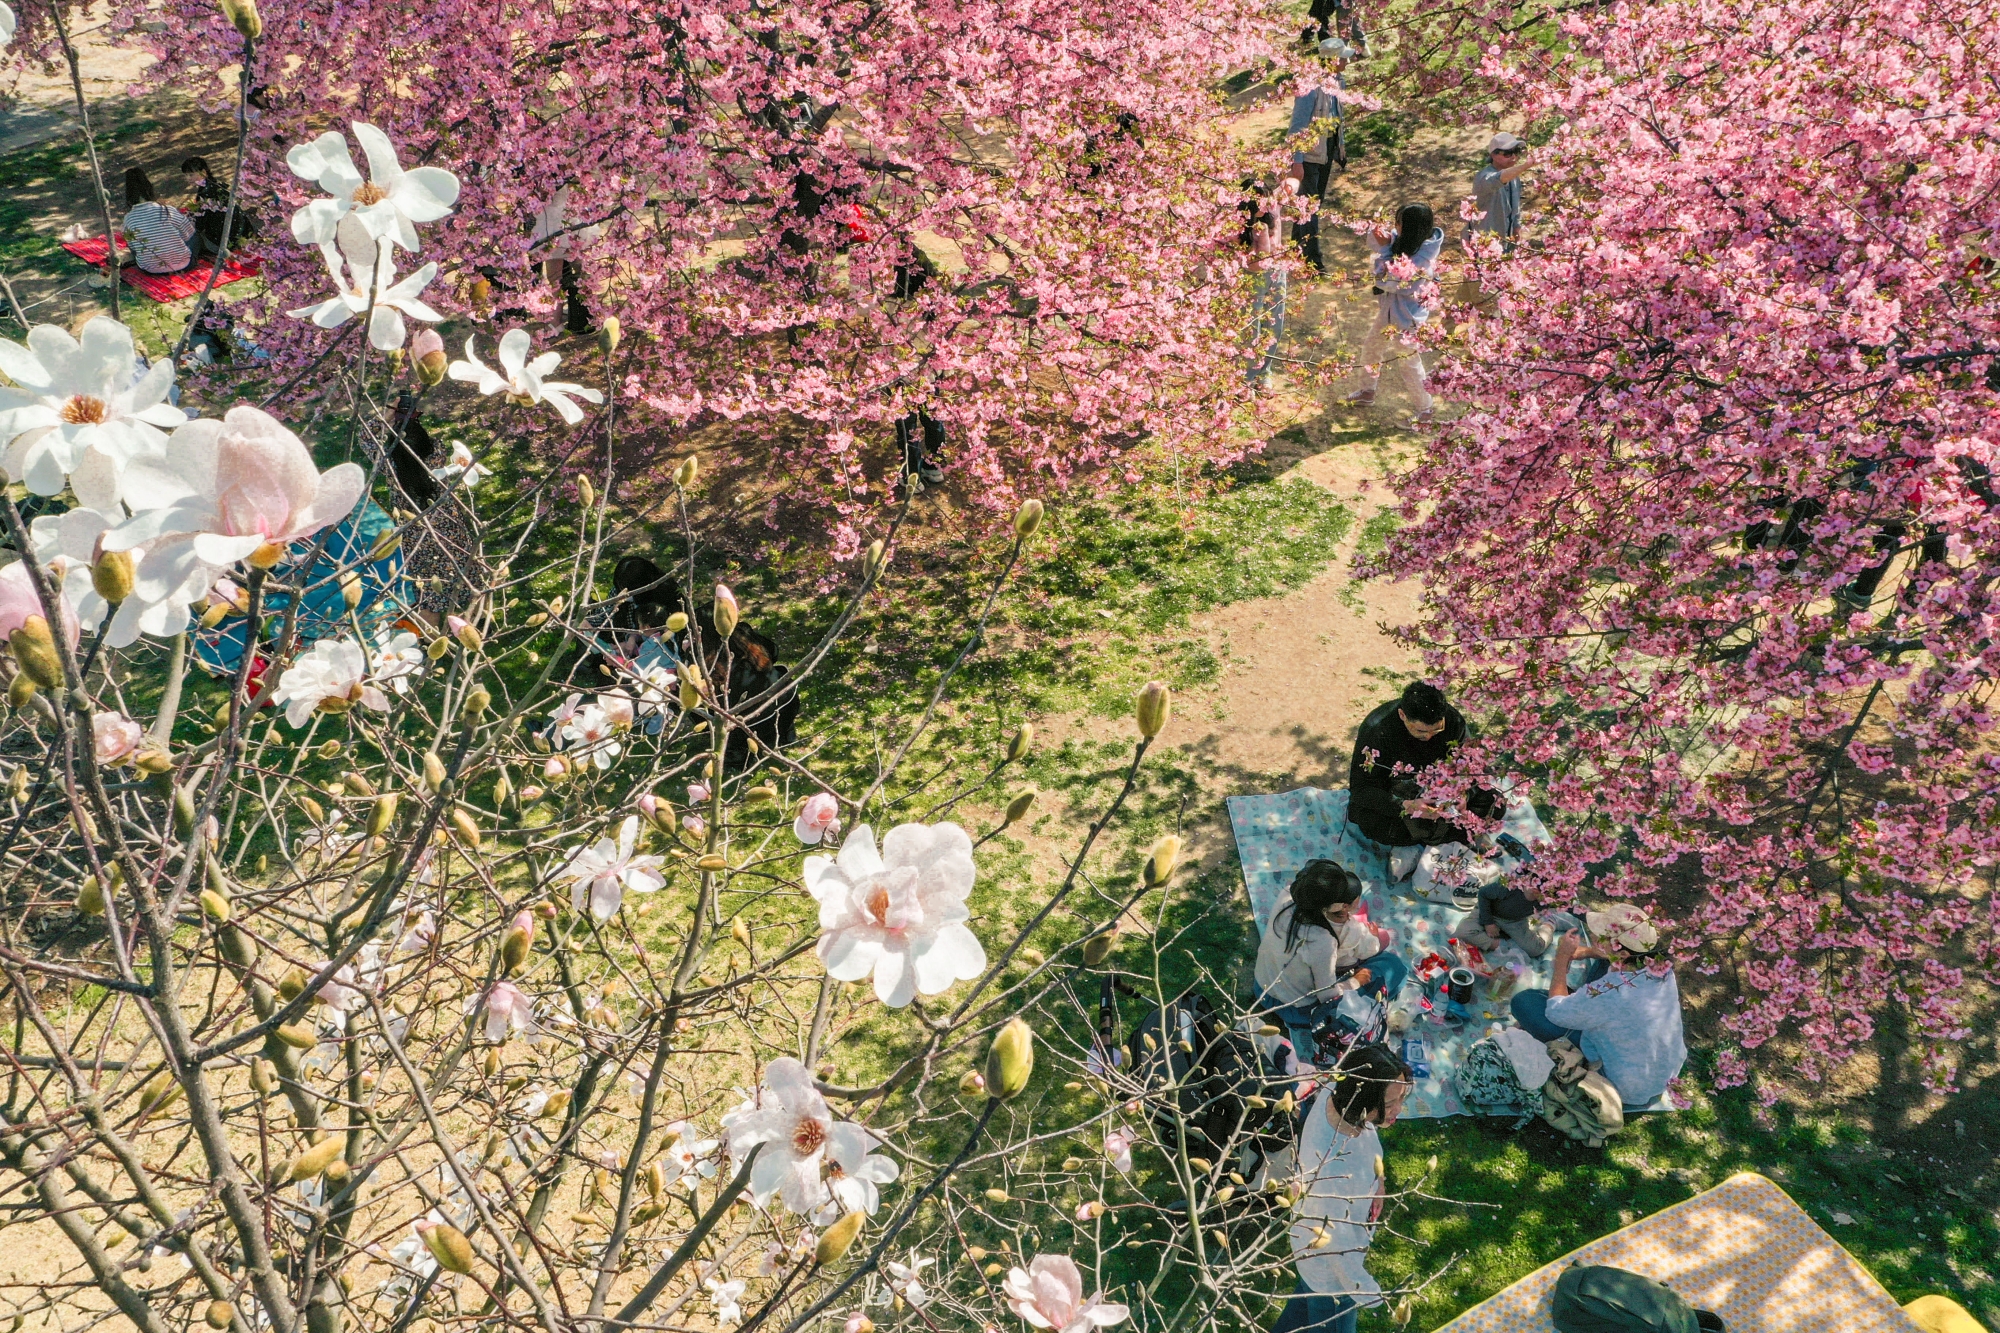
x: 1275, y: 835
x: 164, y: 287
x: 1743, y: 1250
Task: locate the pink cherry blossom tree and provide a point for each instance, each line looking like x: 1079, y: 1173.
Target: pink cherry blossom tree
x: 1711, y: 547
x: 812, y: 220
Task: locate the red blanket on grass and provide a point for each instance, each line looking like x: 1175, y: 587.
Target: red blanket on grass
x: 165, y: 287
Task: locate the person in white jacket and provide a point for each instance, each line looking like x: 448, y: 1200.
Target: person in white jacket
x: 1340, y: 1166
x: 1405, y: 282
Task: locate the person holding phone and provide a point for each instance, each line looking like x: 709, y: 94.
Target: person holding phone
x: 1405, y: 271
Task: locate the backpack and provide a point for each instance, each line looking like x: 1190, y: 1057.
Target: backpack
x: 1579, y: 1101
x: 1486, y: 1079
x: 1596, y: 1298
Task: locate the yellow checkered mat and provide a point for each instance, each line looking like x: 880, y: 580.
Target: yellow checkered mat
x: 1742, y: 1249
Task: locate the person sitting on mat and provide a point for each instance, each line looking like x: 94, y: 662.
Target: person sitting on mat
x: 1505, y: 912
x: 1397, y: 742
x: 1627, y: 1017
x: 1316, y: 952
x: 158, y: 234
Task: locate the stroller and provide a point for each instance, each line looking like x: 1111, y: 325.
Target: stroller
x: 1225, y: 1088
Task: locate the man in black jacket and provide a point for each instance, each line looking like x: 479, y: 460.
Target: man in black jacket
x: 1398, y: 741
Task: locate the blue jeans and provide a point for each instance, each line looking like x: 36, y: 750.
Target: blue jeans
x: 1531, y: 1008
x: 1309, y: 1311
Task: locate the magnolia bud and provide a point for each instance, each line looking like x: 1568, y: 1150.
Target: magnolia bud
x: 292, y: 984
x: 607, y: 335
x: 243, y: 16
x: 1151, y: 708
x: 218, y: 1314
x: 1018, y: 808
x: 1027, y: 518
x: 383, y: 815
x: 297, y: 1036
x: 112, y: 576
x: 690, y: 693
x: 263, y: 1076
x: 437, y: 648
x: 428, y: 349
x: 357, y: 784
x: 350, y: 589
x: 726, y: 611
x: 315, y: 1159
x: 514, y: 945
x: 1023, y: 739
x: 835, y: 1240
x: 759, y: 795
x: 214, y: 906
x: 858, y: 1323
x: 153, y: 761
x: 1160, y: 863
x: 684, y: 474
x: 1401, y: 1314
x: 677, y: 622
x: 90, y: 897
x: 998, y: 1196
x: 434, y: 774
x: 464, y: 631
x: 160, y: 1091
x: 463, y: 828
x: 448, y: 1246
x: 20, y: 691
x: 739, y: 932
x: 1010, y: 1061
x: 875, y: 561
x: 212, y: 615
x: 586, y: 492
x: 973, y: 1084
x: 35, y: 649
x: 478, y: 701
x: 236, y: 946
x: 1099, y: 946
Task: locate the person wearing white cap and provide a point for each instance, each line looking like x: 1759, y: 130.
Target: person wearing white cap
x: 1497, y: 187
x: 1627, y: 1016
x: 1312, y: 162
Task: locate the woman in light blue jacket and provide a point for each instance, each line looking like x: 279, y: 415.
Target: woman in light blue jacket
x: 1405, y: 267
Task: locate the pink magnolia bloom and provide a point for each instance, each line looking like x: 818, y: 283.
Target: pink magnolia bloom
x: 819, y: 819
x: 18, y: 601
x: 617, y: 707
x: 696, y: 826
x: 648, y: 805
x: 1048, y: 1293
x: 508, y: 1010
x: 242, y: 488
x: 698, y: 793
x: 898, y: 914
x: 529, y: 795
x: 114, y: 737
x: 600, y: 874
x: 1118, y: 1148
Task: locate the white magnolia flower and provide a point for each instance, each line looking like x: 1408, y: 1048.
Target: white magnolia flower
x: 342, y: 991
x: 899, y: 914
x: 789, y: 1117
x: 779, y: 1256
x: 242, y: 488
x: 904, y: 1279
x: 387, y: 204
x: 521, y: 379
x: 67, y: 545
x: 652, y: 688
x: 852, y: 1174
x: 412, y: 1260
x: 1118, y: 1150
x: 397, y: 661
x: 332, y: 840
x: 600, y: 874
x: 79, y: 412
x: 418, y: 932
x: 690, y: 1160
x: 507, y: 1010
x: 330, y: 677
x: 1048, y: 1293
x: 594, y: 732
x: 462, y: 467
x: 724, y: 1297
x: 364, y: 283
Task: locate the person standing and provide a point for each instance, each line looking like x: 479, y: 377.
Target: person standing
x: 1405, y: 266
x: 158, y: 234
x: 1340, y: 1166
x: 1261, y: 226
x: 1496, y: 189
x: 1312, y: 163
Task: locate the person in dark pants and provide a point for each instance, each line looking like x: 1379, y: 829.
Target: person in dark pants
x: 920, y: 437
x: 1398, y: 741
x: 1313, y: 162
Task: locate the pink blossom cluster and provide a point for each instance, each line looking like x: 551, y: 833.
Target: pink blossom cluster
x: 1755, y: 361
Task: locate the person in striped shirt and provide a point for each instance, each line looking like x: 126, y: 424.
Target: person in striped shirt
x: 160, y: 235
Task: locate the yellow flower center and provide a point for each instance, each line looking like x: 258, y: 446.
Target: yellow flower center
x: 84, y: 410
x: 368, y: 192
x: 808, y: 1137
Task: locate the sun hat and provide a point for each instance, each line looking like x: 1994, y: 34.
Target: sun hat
x: 1624, y: 926
x: 1335, y: 49
x: 1503, y: 142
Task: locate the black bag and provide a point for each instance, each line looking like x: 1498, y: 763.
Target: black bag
x: 1216, y: 1070
x: 1596, y: 1298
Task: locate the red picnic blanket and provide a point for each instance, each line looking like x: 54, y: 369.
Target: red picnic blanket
x: 165, y: 287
